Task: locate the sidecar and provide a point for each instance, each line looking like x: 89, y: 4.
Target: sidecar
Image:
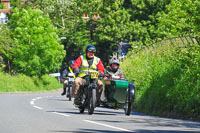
x: 119, y: 91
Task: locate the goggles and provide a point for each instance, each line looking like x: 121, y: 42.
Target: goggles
x: 91, y: 49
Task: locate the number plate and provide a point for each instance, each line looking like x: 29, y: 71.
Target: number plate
x: 71, y: 79
x: 94, y: 75
x: 71, y: 74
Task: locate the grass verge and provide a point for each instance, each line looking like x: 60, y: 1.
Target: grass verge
x: 23, y: 83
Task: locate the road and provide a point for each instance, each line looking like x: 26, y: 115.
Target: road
x: 52, y: 113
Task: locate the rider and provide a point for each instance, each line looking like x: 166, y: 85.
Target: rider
x: 65, y: 74
x: 87, y: 62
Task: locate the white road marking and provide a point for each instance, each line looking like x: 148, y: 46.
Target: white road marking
x: 37, y: 107
x: 32, y: 102
x: 38, y: 98
x: 121, y: 129
x: 60, y: 114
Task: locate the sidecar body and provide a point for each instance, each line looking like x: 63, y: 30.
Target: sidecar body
x: 119, y: 91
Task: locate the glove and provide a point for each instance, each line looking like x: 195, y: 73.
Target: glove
x: 76, y: 70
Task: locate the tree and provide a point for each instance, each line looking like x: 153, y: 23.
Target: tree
x: 2, y: 6
x: 36, y: 46
x: 5, y: 49
x: 180, y: 18
x: 113, y: 27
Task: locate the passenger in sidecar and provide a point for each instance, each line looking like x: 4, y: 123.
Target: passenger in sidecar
x: 117, y: 89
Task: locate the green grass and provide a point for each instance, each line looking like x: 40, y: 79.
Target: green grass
x: 22, y: 83
x: 167, y: 80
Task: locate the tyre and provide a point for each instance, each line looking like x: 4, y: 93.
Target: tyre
x: 70, y: 93
x: 92, y: 102
x: 127, y: 108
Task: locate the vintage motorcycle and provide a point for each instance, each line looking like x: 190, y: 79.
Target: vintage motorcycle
x: 70, y: 79
x: 88, y: 92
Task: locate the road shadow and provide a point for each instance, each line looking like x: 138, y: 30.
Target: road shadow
x: 96, y: 112
x: 108, y: 131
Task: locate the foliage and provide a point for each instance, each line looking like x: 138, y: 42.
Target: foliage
x: 167, y: 80
x: 2, y: 6
x: 36, y: 47
x: 5, y: 49
x: 105, y: 33
x: 138, y: 22
x: 23, y: 83
x: 179, y: 18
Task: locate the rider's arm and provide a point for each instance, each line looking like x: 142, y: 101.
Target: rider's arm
x: 100, y: 67
x: 121, y: 74
x: 65, y: 73
x: 77, y: 63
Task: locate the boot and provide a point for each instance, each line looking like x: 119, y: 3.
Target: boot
x: 64, y: 92
x: 77, y: 102
x: 98, y: 100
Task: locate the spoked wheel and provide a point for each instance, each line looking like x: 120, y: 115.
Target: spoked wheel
x: 70, y: 93
x: 92, y: 102
x: 127, y: 108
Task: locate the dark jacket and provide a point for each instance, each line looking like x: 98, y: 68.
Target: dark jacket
x: 65, y: 72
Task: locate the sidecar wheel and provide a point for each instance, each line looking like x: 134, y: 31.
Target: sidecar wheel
x: 127, y: 108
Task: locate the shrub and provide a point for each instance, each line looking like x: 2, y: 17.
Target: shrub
x: 167, y: 80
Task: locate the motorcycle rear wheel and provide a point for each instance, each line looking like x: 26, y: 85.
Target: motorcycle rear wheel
x: 127, y: 108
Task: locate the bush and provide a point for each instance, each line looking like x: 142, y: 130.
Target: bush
x: 167, y: 80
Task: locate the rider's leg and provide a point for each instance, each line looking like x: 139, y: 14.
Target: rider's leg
x: 99, y: 91
x: 64, y: 87
x: 76, y: 85
x: 103, y: 96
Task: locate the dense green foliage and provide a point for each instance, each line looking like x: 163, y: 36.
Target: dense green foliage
x: 138, y: 22
x: 2, y: 6
x: 167, y: 80
x: 5, y: 49
x: 23, y: 83
x: 36, y: 47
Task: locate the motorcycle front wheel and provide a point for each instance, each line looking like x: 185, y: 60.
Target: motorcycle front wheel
x: 92, y: 102
x: 70, y: 93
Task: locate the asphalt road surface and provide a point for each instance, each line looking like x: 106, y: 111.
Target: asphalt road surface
x: 52, y: 113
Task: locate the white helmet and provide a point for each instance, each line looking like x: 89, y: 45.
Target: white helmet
x: 114, y: 61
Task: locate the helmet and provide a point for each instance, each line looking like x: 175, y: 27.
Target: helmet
x: 114, y: 64
x: 71, y: 62
x: 90, y: 48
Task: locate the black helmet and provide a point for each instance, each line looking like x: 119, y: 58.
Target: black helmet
x: 71, y: 62
x: 114, y: 64
x: 90, y: 48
